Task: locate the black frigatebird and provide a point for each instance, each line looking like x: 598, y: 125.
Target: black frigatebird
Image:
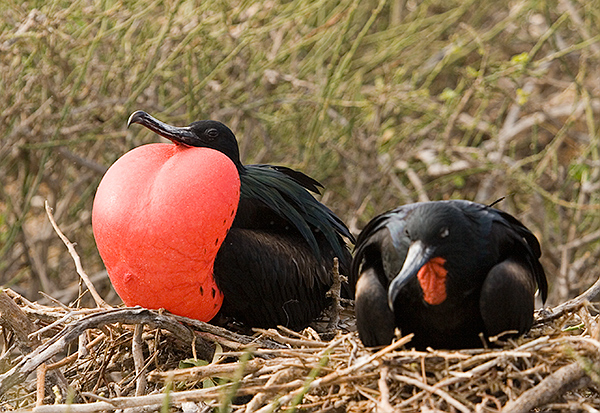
x: 445, y: 271
x: 274, y: 266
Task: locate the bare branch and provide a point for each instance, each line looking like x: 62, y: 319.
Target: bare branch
x: 99, y: 301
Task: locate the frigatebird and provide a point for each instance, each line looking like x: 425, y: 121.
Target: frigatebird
x: 274, y: 266
x: 445, y: 271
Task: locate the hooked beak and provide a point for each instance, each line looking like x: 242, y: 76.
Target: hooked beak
x: 417, y: 256
x: 179, y: 135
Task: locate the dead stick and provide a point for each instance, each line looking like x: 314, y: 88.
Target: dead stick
x: 99, y: 301
x: 572, y: 304
x: 14, y: 319
x: 424, y: 386
x: 41, y: 384
x: 564, y: 379
x: 138, y: 359
x: 229, y: 335
x: 384, y: 404
x: 202, y: 372
x: 286, y: 375
x: 222, y: 341
x: 274, y: 335
x: 335, y: 292
x: 75, y: 356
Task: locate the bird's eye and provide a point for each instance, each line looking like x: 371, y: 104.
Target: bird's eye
x: 406, y: 233
x: 444, y: 232
x: 212, y: 133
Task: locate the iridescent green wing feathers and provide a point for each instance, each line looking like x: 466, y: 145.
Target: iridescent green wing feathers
x: 285, y: 191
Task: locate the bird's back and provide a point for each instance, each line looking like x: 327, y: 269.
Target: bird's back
x: 274, y: 267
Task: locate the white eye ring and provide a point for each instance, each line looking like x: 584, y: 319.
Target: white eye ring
x: 444, y: 232
x: 212, y: 133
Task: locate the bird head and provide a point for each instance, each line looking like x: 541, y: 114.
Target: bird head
x: 205, y: 133
x: 435, y: 233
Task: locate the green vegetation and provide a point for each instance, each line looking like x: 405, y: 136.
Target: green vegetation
x: 385, y: 102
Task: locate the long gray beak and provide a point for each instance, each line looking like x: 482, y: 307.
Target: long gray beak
x: 417, y: 256
x: 180, y: 135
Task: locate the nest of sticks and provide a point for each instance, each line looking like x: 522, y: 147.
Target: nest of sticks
x: 98, y: 359
x: 58, y: 358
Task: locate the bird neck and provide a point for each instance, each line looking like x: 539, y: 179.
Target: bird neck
x: 241, y: 168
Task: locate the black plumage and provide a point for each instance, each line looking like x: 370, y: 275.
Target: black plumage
x: 445, y: 271
x: 274, y: 266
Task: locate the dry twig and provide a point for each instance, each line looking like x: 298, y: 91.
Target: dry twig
x: 99, y: 301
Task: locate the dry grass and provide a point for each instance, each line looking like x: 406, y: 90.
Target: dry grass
x: 384, y: 102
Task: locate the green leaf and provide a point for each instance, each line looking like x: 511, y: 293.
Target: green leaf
x: 522, y: 97
x: 520, y: 59
x: 191, y: 362
x: 448, y: 94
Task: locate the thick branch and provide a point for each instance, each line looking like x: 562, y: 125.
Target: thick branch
x: 570, y: 305
x: 562, y: 380
x: 14, y: 319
